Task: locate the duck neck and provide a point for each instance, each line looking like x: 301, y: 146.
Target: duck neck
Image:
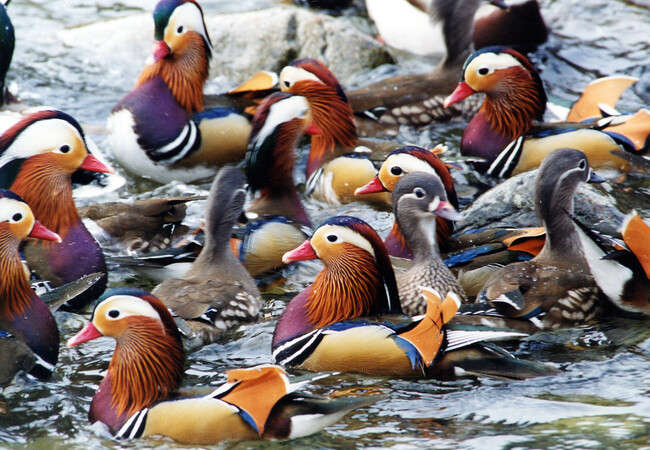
x: 420, y: 234
x: 184, y: 73
x: 351, y: 286
x: 15, y: 292
x: 554, y: 207
x: 48, y: 193
x: 457, y: 20
x: 146, y: 368
x: 333, y: 115
x: 512, y: 107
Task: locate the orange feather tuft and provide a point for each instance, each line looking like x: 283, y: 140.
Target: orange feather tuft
x: 15, y: 290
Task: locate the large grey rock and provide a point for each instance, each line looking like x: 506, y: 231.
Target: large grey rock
x: 244, y: 43
x: 510, y: 203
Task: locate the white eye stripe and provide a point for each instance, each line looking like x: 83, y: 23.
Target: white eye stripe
x: 487, y: 63
x: 190, y: 18
x: 126, y: 305
x: 408, y: 164
x: 295, y: 107
x: 40, y: 137
x: 346, y: 235
x: 434, y: 204
x: 292, y: 74
x: 10, y: 207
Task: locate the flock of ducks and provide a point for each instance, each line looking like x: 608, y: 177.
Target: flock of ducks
x: 423, y: 303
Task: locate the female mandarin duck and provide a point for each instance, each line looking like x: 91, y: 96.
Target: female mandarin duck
x: 504, y: 132
x: 328, y: 326
x: 139, y: 396
x: 419, y: 199
x: 22, y: 313
x: 335, y: 166
x: 160, y: 129
x: 217, y: 292
x: 276, y: 221
x: 37, y: 158
x: 398, y: 163
x: 417, y: 99
x: 556, y: 288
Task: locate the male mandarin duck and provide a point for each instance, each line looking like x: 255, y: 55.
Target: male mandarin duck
x: 413, y: 25
x: 38, y: 155
x: 417, y: 99
x: 504, y: 132
x: 556, y: 288
x: 398, y: 163
x: 350, y: 318
x: 621, y: 269
x: 419, y: 198
x: 335, y: 165
x: 217, y: 292
x: 22, y: 313
x: 276, y: 220
x: 160, y: 129
x: 140, y: 395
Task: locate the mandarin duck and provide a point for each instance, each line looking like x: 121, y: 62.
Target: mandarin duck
x: 276, y: 221
x: 417, y: 99
x: 38, y: 155
x: 621, y: 269
x: 140, y: 395
x: 216, y: 293
x: 419, y: 199
x: 555, y: 288
x: 505, y: 134
x: 413, y: 25
x: 399, y: 163
x: 350, y: 318
x: 23, y: 314
x: 336, y: 164
x: 160, y: 129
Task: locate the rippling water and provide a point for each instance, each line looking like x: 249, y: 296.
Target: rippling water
x: 601, y: 397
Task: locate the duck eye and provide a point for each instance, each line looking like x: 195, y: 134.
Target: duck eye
x: 113, y: 314
x: 180, y: 29
x: 396, y: 170
x: 65, y: 148
x: 287, y: 84
x: 582, y: 165
x: 17, y: 217
x: 483, y: 71
x: 419, y: 192
x: 332, y: 237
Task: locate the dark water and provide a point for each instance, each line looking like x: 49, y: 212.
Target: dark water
x: 601, y: 398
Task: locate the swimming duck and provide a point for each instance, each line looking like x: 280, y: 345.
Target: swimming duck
x: 350, y: 318
x: 412, y: 25
x: 22, y: 313
x: 556, y: 288
x: 504, y: 132
x: 160, y: 129
x: 276, y: 220
x: 217, y: 292
x: 37, y: 158
x: 140, y: 395
x: 400, y: 162
x: 419, y: 199
x: 417, y: 99
x: 336, y: 164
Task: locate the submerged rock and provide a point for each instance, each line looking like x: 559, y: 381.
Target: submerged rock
x: 244, y: 43
x: 510, y: 203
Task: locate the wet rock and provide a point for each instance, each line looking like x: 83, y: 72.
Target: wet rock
x: 244, y: 43
x: 510, y: 203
